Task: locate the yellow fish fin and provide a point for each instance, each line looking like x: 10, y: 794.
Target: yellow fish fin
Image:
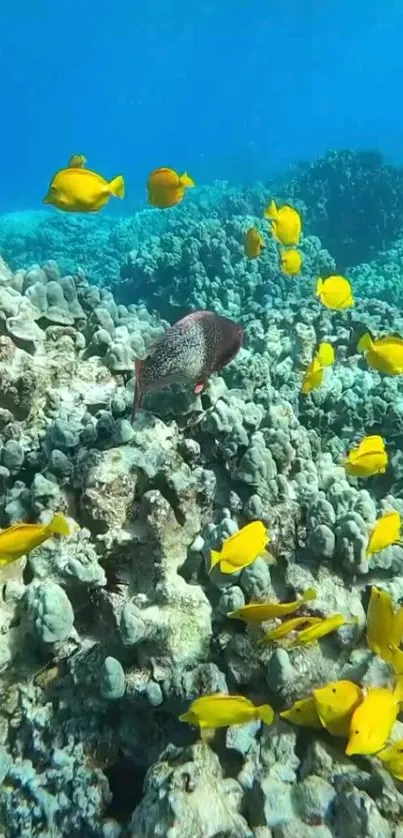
x: 265, y: 714
x: 271, y: 211
x: 215, y: 557
x: 59, y: 525
x: 117, y: 187
x: 227, y: 567
x: 309, y: 594
x: 319, y: 286
x: 187, y: 717
x: 186, y: 180
x: 365, y: 342
x: 325, y: 354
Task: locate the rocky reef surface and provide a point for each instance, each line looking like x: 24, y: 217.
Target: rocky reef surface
x: 108, y: 635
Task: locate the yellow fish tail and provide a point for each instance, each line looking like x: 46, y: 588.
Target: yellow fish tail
x: 265, y: 714
x: 59, y: 525
x: 117, y: 187
x: 186, y: 180
x: 215, y: 557
x: 325, y: 354
x: 364, y: 343
x: 319, y: 286
x: 309, y: 594
x: 271, y: 211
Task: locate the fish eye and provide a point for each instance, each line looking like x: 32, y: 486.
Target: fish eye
x: 356, y: 732
x: 334, y: 689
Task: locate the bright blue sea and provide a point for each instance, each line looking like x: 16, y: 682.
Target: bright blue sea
x: 233, y: 90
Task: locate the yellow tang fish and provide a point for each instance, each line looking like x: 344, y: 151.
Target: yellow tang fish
x: 368, y: 458
x: 335, y: 705
x: 287, y: 626
x: 290, y: 261
x: 77, y: 161
x: 285, y: 223
x: 20, y: 539
x: 76, y: 189
x: 313, y: 376
x: 217, y: 710
x: 372, y: 721
x: 335, y: 292
x: 241, y: 549
x: 166, y: 187
x: 326, y: 626
x: 254, y: 242
x: 385, y: 532
x: 383, y: 354
x: 392, y: 759
x: 303, y: 713
x: 258, y: 612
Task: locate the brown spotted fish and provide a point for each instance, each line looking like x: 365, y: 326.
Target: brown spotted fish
x: 188, y: 353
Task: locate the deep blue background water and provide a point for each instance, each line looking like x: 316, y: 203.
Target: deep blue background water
x: 232, y: 89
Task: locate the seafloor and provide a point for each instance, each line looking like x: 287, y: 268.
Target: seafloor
x: 109, y: 634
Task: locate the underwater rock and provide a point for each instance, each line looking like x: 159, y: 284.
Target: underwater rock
x: 193, y: 798
x: 112, y: 679
x: 50, y: 611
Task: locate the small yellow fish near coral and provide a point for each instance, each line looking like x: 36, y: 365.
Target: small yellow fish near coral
x: 335, y: 704
x: 288, y: 626
x: 290, y: 261
x: 326, y: 626
x: 303, y: 713
x: 335, y: 292
x: 285, y: 223
x: 368, y: 459
x: 76, y: 189
x: 313, y: 376
x: 20, y: 539
x: 242, y: 548
x: 258, y: 612
x: 372, y: 720
x: 383, y: 354
x: 217, y: 710
x: 165, y: 187
x: 254, y: 243
x: 392, y: 759
x: 386, y: 531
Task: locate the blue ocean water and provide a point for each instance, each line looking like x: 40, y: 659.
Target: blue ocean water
x: 231, y: 90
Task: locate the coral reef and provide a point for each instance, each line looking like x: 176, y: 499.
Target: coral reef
x: 109, y: 633
x: 353, y: 202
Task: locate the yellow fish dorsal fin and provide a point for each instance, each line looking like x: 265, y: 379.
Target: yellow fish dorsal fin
x: 271, y: 211
x: 365, y: 342
x: 371, y: 444
x: 319, y: 287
